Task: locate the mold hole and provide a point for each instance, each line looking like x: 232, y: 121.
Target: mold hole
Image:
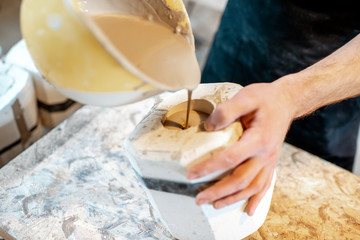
x: 175, y: 117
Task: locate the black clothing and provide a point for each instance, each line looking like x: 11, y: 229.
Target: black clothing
x: 262, y: 40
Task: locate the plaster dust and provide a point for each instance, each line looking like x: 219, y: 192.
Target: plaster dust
x: 154, y: 48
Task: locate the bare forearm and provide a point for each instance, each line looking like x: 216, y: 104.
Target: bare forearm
x: 330, y: 80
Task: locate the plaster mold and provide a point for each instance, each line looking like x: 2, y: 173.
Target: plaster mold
x: 161, y: 153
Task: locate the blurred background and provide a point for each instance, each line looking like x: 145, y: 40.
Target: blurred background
x: 205, y: 16
x: 9, y: 24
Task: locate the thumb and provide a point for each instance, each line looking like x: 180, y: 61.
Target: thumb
x: 229, y: 111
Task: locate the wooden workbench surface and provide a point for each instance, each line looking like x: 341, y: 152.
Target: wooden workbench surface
x: 76, y: 183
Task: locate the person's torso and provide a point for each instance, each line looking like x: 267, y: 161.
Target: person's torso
x: 278, y: 37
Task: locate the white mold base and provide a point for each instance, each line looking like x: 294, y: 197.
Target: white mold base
x: 188, y: 221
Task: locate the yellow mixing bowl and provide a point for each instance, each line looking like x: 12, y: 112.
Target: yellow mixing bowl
x: 72, y: 58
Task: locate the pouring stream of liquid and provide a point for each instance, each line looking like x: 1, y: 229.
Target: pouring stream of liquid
x: 188, y: 109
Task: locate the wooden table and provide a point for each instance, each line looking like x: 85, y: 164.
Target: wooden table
x: 76, y: 183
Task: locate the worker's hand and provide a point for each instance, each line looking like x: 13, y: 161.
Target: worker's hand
x: 266, y: 112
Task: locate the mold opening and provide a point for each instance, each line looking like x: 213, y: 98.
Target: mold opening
x: 175, y: 117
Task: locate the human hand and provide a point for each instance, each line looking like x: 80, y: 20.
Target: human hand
x: 266, y: 112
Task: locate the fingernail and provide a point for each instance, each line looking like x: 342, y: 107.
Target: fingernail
x: 249, y: 211
x: 209, y: 126
x: 219, y: 205
x: 201, y: 201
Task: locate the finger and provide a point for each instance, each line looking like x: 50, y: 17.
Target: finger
x: 240, y: 179
x: 232, y: 156
x: 247, y: 119
x: 257, y: 185
x: 255, y: 199
x: 229, y: 111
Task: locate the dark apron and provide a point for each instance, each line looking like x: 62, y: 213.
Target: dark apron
x: 262, y: 40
